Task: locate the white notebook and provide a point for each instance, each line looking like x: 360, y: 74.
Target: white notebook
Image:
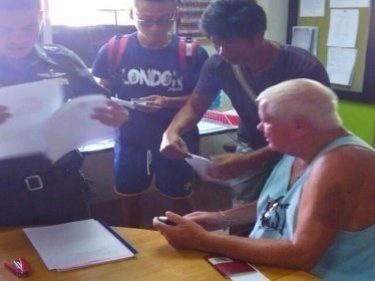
x: 78, y: 244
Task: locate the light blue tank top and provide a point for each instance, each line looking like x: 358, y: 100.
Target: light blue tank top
x: 351, y: 256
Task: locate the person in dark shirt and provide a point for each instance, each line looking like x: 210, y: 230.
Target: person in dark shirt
x: 236, y: 28
x: 156, y: 70
x: 32, y: 189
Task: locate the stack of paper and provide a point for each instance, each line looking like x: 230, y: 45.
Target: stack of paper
x: 78, y: 244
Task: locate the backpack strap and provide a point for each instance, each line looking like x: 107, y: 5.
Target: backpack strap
x: 238, y: 73
x: 187, y: 47
x: 115, y: 51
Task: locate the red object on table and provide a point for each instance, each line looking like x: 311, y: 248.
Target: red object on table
x: 19, y: 267
x: 229, y: 117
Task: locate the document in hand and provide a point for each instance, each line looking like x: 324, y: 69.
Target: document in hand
x: 78, y: 244
x: 40, y: 122
x: 200, y: 164
x: 235, y: 270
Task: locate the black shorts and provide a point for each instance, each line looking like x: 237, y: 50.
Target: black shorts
x: 136, y: 165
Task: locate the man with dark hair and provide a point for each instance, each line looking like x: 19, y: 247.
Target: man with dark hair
x: 228, y: 19
x: 152, y: 70
x: 33, y: 190
x: 246, y: 64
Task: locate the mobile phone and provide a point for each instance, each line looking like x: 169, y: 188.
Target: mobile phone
x: 138, y: 102
x: 125, y: 103
x: 165, y: 220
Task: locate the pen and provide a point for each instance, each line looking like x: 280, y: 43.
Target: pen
x: 115, y: 234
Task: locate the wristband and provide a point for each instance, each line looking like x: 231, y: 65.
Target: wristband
x: 225, y: 219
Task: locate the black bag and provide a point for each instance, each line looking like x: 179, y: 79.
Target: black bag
x: 38, y: 164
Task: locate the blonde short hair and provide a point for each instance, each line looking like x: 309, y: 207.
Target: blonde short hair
x: 303, y: 97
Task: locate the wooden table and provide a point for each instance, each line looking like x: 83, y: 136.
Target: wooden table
x: 156, y: 260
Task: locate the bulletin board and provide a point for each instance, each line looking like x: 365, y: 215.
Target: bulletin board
x: 190, y: 12
x: 362, y: 87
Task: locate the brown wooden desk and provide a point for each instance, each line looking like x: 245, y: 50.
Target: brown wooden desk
x: 155, y: 261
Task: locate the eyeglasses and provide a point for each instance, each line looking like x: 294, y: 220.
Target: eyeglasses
x: 160, y: 22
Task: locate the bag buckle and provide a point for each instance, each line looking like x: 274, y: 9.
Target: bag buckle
x: 34, y: 182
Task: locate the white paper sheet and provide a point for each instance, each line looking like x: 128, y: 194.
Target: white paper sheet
x: 76, y: 244
x: 349, y: 3
x: 200, y: 164
x: 30, y: 105
x: 340, y: 65
x: 253, y: 276
x: 41, y: 123
x: 312, y: 8
x: 305, y: 37
x: 343, y: 28
x: 71, y: 126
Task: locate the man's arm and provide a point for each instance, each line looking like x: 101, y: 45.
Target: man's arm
x: 319, y: 212
x: 238, y: 215
x: 313, y: 233
x: 189, y: 115
x: 230, y: 165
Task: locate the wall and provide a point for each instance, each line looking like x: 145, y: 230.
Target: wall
x: 359, y: 118
x: 277, y: 18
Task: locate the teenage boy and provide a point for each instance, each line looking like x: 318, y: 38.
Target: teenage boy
x: 154, y: 71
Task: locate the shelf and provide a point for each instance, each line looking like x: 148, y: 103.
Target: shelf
x: 190, y: 12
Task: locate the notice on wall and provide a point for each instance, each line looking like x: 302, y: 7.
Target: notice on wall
x: 349, y: 3
x: 310, y: 8
x: 305, y: 37
x: 340, y: 65
x: 343, y: 28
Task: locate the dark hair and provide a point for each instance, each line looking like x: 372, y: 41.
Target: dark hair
x: 20, y: 4
x: 233, y: 18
